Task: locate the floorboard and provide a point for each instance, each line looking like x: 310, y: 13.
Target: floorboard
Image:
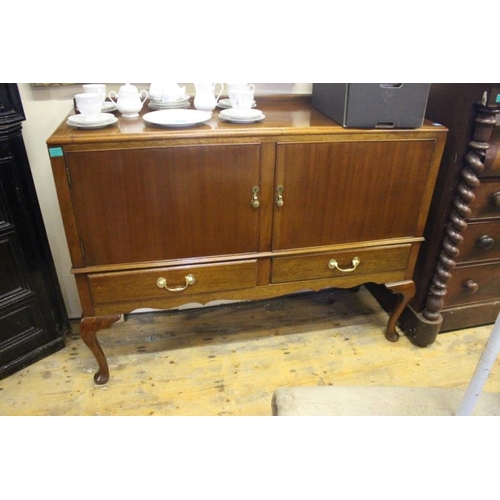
x: 229, y: 359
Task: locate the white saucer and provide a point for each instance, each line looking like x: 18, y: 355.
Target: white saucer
x: 108, y: 106
x: 242, y: 115
x: 173, y: 102
x: 101, y: 120
x: 226, y: 104
x: 177, y: 117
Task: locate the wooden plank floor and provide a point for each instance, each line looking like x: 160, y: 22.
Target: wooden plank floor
x: 229, y: 359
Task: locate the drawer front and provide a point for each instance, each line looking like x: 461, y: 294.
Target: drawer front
x: 473, y: 284
x: 481, y: 242
x: 487, y: 203
x: 186, y: 280
x: 371, y: 261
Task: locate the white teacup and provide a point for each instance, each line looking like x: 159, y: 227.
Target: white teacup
x: 242, y: 98
x: 89, y: 104
x: 93, y: 88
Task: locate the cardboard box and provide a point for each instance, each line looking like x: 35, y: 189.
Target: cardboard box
x: 372, y: 105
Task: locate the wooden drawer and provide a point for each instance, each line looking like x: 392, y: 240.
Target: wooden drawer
x: 481, y: 242
x: 487, y: 203
x: 473, y: 284
x: 372, y: 261
x: 130, y: 285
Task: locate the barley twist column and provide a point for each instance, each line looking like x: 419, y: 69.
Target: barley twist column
x: 484, y: 123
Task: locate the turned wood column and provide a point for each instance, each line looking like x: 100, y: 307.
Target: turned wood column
x: 473, y: 166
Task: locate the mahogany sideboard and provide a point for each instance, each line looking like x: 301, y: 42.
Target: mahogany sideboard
x: 157, y: 217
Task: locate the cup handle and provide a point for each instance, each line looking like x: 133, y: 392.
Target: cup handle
x: 140, y: 94
x: 110, y: 97
x: 221, y: 90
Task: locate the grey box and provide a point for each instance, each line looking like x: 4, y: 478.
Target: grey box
x: 372, y: 105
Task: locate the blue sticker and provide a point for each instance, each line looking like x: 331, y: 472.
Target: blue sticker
x: 54, y: 152
x: 498, y: 98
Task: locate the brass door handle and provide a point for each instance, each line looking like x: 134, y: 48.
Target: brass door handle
x: 333, y: 264
x: 255, y: 197
x: 162, y: 283
x: 279, y: 198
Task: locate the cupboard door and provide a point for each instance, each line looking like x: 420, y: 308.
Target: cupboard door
x: 165, y: 203
x: 349, y: 191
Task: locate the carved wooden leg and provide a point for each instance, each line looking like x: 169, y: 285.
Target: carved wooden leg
x: 89, y: 326
x: 407, y: 290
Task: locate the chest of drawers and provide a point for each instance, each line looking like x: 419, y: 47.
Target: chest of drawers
x: 160, y: 217
x: 459, y: 263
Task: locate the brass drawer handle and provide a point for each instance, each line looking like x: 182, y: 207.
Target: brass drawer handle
x: 333, y: 264
x: 162, y: 283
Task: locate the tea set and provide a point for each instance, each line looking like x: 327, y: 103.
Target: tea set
x: 169, y: 103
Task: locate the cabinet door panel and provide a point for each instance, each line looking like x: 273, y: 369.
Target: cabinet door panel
x: 350, y: 191
x: 165, y: 203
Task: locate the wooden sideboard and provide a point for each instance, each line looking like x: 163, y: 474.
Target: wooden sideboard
x: 158, y: 217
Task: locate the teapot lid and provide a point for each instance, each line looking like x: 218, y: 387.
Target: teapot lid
x: 128, y: 89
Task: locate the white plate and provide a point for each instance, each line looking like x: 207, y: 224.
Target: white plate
x: 226, y: 104
x: 170, y: 105
x: 242, y: 115
x: 102, y: 120
x: 177, y: 117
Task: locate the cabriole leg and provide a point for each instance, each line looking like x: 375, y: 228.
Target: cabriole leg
x: 406, y: 290
x: 89, y: 327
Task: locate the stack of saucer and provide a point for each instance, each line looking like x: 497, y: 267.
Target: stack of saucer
x: 92, y: 121
x: 226, y: 104
x: 242, y: 115
x: 181, y: 102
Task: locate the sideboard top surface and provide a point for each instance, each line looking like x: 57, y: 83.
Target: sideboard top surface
x: 284, y: 115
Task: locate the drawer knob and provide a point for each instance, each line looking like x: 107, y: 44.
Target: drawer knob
x: 495, y: 199
x: 162, y: 283
x: 485, y: 242
x: 470, y: 286
x: 333, y: 264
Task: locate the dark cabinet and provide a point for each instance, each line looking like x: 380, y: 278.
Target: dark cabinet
x: 458, y: 266
x: 33, y: 320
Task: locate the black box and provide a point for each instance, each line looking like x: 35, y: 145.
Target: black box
x: 372, y: 105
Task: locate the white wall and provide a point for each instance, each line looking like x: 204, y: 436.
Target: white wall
x: 45, y: 109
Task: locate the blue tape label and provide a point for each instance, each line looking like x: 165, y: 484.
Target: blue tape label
x: 54, y: 152
x: 498, y: 98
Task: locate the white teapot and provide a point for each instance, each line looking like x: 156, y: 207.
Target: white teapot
x: 128, y: 101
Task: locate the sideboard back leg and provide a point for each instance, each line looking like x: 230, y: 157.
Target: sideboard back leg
x: 89, y: 327
x: 406, y: 289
